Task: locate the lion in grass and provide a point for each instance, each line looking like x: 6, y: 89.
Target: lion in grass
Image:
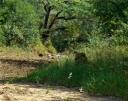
x: 80, y: 57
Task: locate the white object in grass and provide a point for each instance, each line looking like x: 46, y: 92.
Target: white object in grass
x: 70, y: 75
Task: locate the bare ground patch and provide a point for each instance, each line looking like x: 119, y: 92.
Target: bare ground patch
x: 25, y: 92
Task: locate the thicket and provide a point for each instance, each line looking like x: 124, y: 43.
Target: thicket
x: 63, y: 24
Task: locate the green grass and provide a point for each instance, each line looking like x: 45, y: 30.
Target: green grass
x: 32, y: 50
x: 106, y: 73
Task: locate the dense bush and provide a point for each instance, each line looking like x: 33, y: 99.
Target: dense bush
x: 17, y: 23
x: 65, y: 24
x: 111, y: 13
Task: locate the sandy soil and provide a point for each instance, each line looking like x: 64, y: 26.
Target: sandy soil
x: 25, y: 92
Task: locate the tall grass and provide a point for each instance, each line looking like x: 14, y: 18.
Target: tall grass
x: 105, y: 73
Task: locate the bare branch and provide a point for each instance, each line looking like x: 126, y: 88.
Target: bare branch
x: 48, y: 10
x: 67, y: 18
x: 54, y: 19
x: 62, y: 28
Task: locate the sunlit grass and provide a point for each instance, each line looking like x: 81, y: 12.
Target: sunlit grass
x: 105, y: 73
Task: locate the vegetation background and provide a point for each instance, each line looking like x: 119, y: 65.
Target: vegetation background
x: 99, y: 28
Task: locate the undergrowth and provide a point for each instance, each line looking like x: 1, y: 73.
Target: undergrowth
x: 105, y: 73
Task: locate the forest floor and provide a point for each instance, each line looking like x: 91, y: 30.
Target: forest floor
x: 14, y: 65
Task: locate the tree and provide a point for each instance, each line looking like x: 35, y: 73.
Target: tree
x: 56, y: 13
x: 18, y: 22
x: 111, y: 14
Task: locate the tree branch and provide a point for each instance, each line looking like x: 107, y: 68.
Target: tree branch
x: 54, y: 19
x: 48, y: 10
x: 71, y: 18
x: 67, y: 18
x: 62, y: 28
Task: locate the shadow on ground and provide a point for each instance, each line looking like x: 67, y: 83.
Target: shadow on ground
x: 10, y: 68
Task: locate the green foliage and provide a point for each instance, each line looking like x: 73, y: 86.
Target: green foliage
x: 104, y: 74
x: 70, y: 23
x: 18, y: 22
x: 61, y: 18
x: 111, y: 14
x: 57, y: 25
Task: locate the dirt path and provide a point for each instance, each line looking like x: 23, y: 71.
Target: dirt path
x: 21, y: 92
x: 18, y: 67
